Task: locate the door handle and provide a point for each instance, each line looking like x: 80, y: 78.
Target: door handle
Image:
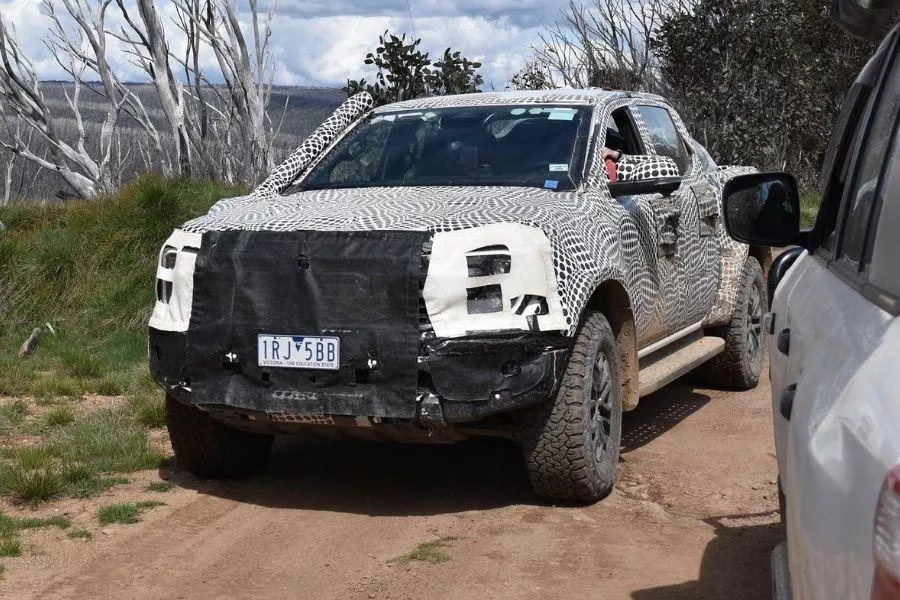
x: 784, y: 341
x: 786, y: 403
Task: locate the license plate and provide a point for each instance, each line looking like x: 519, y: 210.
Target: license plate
x: 299, y: 352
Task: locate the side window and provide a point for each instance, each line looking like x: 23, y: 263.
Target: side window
x: 860, y: 197
x: 621, y: 134
x: 664, y: 136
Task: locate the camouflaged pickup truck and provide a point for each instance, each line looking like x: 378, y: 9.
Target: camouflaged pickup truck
x: 456, y: 266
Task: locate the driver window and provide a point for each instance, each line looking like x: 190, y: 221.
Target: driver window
x: 621, y: 134
x: 361, y: 159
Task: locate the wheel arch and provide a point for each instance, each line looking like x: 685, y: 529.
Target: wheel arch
x: 611, y: 298
x: 764, y: 255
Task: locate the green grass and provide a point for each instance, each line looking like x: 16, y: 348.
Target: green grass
x: 78, y: 457
x: 159, y: 486
x: 11, y: 543
x: 12, y: 414
x: 35, y: 523
x: 10, y: 546
x: 809, y: 209
x: 79, y: 534
x: 58, y: 416
x: 87, y: 267
x: 118, y: 513
x: 30, y: 486
x: 428, y: 552
x: 125, y: 513
x: 146, y: 399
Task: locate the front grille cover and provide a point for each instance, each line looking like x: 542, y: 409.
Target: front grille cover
x: 362, y: 287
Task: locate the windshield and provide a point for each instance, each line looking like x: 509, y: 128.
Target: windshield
x: 537, y: 146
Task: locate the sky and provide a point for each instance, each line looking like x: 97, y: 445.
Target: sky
x: 323, y: 43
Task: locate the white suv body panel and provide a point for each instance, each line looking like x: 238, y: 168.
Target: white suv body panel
x: 838, y: 445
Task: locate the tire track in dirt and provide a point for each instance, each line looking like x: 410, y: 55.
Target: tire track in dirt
x: 692, y: 516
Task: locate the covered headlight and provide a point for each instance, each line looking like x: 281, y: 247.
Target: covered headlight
x: 175, y: 282
x: 493, y: 278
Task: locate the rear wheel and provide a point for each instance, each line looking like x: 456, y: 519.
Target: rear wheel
x: 571, y: 444
x: 210, y: 449
x: 740, y: 364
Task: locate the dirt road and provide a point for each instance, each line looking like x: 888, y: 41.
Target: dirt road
x: 693, y: 516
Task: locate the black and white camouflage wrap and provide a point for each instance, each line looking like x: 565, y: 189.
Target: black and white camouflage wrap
x: 313, y: 146
x: 671, y: 255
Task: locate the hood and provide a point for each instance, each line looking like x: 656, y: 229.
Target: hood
x: 394, y: 209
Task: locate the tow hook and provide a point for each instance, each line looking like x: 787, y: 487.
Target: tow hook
x: 431, y: 415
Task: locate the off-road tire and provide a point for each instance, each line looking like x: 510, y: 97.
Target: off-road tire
x: 566, y: 456
x: 738, y: 367
x: 210, y: 449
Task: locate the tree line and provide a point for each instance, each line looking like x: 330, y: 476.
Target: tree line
x: 217, y: 122
x: 757, y: 81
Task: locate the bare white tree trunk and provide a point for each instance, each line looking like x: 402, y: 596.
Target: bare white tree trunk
x: 151, y: 49
x: 7, y: 181
x: 246, y: 70
x: 21, y: 94
x: 78, y: 43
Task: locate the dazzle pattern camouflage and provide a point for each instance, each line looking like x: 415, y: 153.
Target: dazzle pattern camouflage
x: 648, y: 244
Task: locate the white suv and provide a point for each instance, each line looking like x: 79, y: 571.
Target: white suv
x: 835, y: 342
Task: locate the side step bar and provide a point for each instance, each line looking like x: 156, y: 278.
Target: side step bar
x: 676, y: 359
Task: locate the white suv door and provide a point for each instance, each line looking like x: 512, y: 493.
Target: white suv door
x: 834, y: 364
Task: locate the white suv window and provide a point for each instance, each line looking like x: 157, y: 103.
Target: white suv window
x: 861, y: 197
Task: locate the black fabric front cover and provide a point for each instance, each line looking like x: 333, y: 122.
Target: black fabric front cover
x: 359, y: 286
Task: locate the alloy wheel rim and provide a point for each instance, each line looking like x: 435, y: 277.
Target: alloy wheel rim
x: 600, y: 426
x: 754, y: 324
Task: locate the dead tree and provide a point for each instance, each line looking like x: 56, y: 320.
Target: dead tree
x: 20, y: 92
x: 77, y: 42
x: 605, y: 45
x: 247, y: 72
x: 151, y: 51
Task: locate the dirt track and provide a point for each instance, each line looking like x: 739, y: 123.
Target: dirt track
x: 693, y: 516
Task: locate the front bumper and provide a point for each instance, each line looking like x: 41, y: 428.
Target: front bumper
x: 364, y: 288
x: 459, y: 380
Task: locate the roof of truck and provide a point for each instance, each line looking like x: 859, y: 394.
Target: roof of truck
x: 591, y: 96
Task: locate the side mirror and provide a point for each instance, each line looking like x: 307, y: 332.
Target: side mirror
x: 864, y: 18
x: 662, y: 185
x: 645, y: 175
x: 762, y: 209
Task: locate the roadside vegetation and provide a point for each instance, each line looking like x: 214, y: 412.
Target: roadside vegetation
x: 10, y: 540
x: 77, y: 416
x: 126, y: 513
x: 82, y: 272
x: 809, y: 209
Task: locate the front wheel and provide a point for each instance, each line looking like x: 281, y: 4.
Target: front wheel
x: 571, y: 444
x: 210, y: 449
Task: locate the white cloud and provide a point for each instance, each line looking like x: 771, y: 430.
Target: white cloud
x: 324, y: 43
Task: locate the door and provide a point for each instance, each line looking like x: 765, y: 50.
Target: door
x: 686, y: 261
x: 833, y: 359
x: 645, y: 255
